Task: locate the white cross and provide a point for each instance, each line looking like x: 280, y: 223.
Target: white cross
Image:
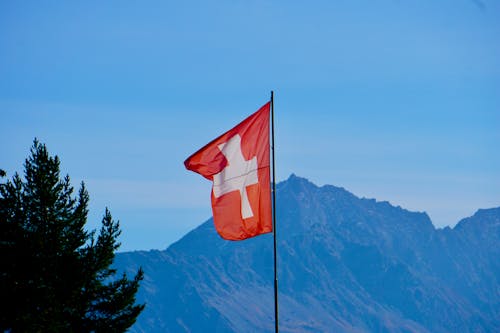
x: 237, y: 175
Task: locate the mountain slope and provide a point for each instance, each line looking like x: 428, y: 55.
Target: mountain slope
x: 345, y: 264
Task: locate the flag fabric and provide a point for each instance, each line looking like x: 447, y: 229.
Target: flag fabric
x: 238, y: 163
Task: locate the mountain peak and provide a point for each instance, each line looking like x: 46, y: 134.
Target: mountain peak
x: 296, y: 184
x: 294, y: 179
x: 299, y: 184
x: 481, y: 218
x: 488, y: 213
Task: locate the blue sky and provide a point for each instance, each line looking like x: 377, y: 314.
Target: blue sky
x: 393, y: 100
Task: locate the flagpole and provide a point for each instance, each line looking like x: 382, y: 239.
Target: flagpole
x: 274, y: 219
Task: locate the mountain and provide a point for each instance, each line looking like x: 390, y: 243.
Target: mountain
x: 345, y: 264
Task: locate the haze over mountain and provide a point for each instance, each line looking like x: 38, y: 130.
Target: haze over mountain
x: 345, y: 265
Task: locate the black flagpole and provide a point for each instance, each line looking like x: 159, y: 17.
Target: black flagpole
x: 274, y: 219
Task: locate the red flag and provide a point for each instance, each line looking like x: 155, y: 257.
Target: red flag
x: 238, y: 164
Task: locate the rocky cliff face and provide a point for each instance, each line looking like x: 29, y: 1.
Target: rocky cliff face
x: 345, y: 265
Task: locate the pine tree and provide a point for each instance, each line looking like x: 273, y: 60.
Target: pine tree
x: 55, y: 276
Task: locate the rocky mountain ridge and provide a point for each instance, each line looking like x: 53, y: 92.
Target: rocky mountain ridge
x: 345, y: 264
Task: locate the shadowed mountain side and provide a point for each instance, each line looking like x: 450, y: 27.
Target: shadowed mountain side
x: 345, y: 264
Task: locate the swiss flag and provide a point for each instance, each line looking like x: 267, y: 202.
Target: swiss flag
x: 238, y: 164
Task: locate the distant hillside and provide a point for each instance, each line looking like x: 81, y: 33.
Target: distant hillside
x: 345, y: 265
